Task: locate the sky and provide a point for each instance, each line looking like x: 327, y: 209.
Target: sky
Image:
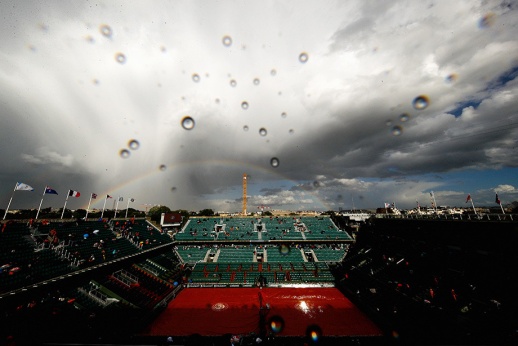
x: 323, y: 104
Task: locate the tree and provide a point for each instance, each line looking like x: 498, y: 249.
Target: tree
x: 206, y: 212
x: 156, y: 212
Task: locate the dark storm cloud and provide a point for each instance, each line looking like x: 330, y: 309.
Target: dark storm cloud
x: 68, y: 106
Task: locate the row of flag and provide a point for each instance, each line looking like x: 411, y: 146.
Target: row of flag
x: 71, y: 193
x: 51, y: 191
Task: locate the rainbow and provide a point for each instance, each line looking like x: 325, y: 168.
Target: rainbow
x: 196, y: 164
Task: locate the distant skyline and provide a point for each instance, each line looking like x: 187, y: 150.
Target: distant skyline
x: 364, y: 102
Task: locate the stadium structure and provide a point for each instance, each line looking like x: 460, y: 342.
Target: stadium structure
x: 276, y: 280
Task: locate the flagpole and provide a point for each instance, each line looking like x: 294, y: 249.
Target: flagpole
x: 41, y: 202
x: 10, y: 200
x: 116, y: 207
x: 434, y: 202
x: 127, y: 206
x: 104, y: 206
x: 503, y: 212
x: 473, y: 205
x: 66, y: 200
x: 88, y: 208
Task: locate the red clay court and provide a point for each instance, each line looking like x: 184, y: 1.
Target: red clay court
x: 218, y: 311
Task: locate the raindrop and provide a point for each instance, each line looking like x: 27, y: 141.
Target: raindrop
x: 314, y: 332
x: 233, y: 83
x: 274, y: 162
x: 276, y: 324
x: 162, y: 167
x: 487, y: 21
x: 244, y: 105
x: 173, y: 189
x: 388, y: 123
x: 303, y: 57
x: 284, y: 249
x: 291, y: 131
x: 227, y: 41
x: 262, y: 131
x: 451, y: 78
x: 195, y: 77
x: 245, y: 128
x: 133, y: 144
x: 106, y: 30
x: 121, y: 58
x: 283, y: 114
x: 404, y: 117
x: 256, y: 81
x: 421, y: 102
x: 188, y: 123
x: 273, y: 72
x: 124, y: 153
x: 397, y: 130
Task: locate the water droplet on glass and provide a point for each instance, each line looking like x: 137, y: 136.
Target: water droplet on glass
x: 245, y: 128
x: 451, y: 78
x: 195, y: 77
x: 227, y: 41
x: 303, y: 57
x: 487, y: 21
x: 133, y: 144
x: 284, y: 115
x: 388, y: 123
x: 276, y: 324
x: 162, y: 167
x: 233, y: 83
x: 256, y: 81
x: 291, y: 131
x: 421, y: 102
x: 273, y: 72
x: 263, y: 131
x: 397, y: 130
x: 274, y: 162
x: 314, y: 332
x: 124, y: 153
x: 120, y: 58
x: 188, y: 123
x: 284, y: 249
x: 106, y: 30
x: 244, y: 105
x: 404, y: 117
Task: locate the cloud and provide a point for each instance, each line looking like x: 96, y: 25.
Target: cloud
x: 46, y: 157
x: 342, y: 124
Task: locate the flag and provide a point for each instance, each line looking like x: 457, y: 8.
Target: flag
x: 94, y: 195
x: 120, y: 199
x: 468, y: 198
x: 73, y: 193
x: 132, y: 200
x: 49, y: 191
x: 387, y: 205
x: 497, y: 200
x: 108, y: 196
x: 23, y: 187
